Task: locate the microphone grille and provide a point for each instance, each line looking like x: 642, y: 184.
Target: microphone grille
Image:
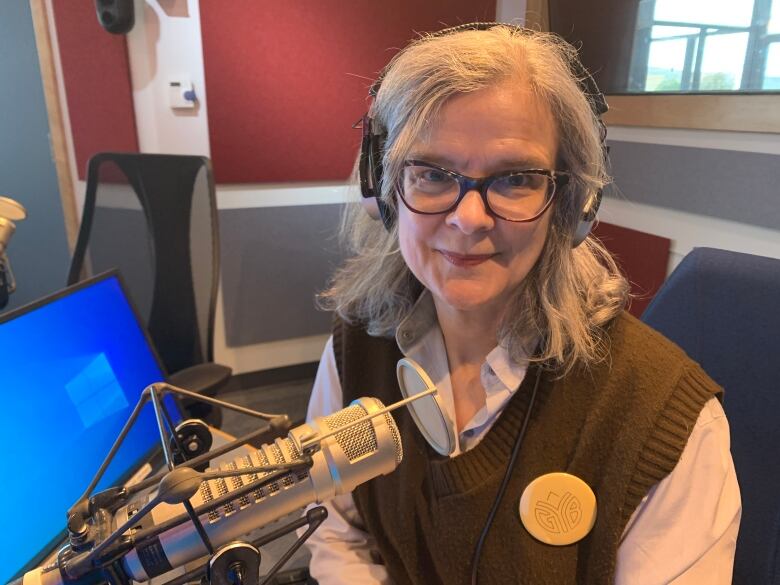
x: 394, y: 433
x: 360, y: 440
x: 355, y: 441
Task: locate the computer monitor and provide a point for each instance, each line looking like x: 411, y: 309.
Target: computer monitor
x: 72, y: 368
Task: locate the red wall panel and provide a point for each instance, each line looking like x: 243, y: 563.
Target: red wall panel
x: 96, y: 74
x: 286, y: 80
x: 642, y: 257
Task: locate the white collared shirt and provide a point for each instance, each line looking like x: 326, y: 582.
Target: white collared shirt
x: 683, y: 532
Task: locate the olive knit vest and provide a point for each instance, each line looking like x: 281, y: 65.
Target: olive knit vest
x: 620, y: 426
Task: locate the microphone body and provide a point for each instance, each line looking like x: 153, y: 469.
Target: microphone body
x: 7, y: 229
x: 10, y: 211
x: 343, y: 461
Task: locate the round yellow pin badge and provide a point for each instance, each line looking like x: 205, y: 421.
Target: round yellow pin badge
x: 558, y: 508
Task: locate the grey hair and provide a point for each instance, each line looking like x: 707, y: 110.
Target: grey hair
x: 571, y: 294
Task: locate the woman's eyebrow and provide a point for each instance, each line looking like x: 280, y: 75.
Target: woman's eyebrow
x: 520, y: 163
x: 495, y: 166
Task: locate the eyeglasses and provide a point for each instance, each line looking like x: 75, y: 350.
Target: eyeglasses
x: 513, y: 195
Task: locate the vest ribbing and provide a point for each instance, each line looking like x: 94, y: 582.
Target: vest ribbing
x: 621, y: 426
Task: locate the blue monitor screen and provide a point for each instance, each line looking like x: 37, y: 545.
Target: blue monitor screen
x: 72, y: 368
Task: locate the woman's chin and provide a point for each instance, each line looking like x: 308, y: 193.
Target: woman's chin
x: 466, y: 299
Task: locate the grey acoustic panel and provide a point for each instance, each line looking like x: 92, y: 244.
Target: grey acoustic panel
x: 39, y: 250
x: 120, y: 239
x: 739, y: 186
x: 274, y: 261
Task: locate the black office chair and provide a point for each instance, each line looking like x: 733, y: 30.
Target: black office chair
x: 722, y: 309
x: 154, y: 217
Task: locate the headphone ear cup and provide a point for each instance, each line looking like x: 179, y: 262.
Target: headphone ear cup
x: 587, y: 219
x: 385, y: 214
x: 371, y: 207
x: 378, y: 209
x: 582, y: 231
x: 370, y: 170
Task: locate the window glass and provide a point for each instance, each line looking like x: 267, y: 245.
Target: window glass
x: 674, y: 46
x: 710, y: 12
x: 774, y: 18
x: 772, y: 74
x: 723, y: 62
x: 665, y: 65
x: 704, y: 46
x: 665, y: 32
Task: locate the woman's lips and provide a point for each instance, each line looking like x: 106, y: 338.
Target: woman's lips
x: 465, y: 260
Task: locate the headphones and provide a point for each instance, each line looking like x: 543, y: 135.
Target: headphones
x: 370, y: 166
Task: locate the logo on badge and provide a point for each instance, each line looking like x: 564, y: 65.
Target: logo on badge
x: 558, y: 508
x: 558, y: 514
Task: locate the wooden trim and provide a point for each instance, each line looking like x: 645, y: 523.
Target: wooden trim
x: 54, y: 108
x: 739, y: 113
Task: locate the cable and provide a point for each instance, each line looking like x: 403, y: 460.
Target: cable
x: 505, y: 481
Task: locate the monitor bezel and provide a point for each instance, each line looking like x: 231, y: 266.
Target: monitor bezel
x: 153, y: 456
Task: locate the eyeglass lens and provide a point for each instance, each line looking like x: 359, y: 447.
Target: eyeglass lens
x: 515, y: 196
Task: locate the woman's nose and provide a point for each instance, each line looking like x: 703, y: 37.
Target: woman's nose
x: 471, y: 215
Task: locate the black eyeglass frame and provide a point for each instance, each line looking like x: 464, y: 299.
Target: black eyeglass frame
x: 466, y: 184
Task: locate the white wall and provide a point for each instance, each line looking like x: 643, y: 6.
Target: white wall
x: 167, y: 43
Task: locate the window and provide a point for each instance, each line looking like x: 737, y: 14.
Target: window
x: 706, y: 46
x: 703, y: 64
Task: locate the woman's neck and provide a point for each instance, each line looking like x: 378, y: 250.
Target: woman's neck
x: 468, y: 338
x: 468, y: 335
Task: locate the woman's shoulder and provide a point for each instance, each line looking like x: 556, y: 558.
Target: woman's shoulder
x: 627, y: 334
x: 640, y: 352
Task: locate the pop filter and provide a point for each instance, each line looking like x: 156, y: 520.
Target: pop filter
x: 427, y: 412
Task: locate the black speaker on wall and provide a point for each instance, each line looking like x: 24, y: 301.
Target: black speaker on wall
x: 116, y: 16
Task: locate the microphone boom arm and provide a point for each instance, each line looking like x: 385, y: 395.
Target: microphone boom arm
x: 79, y: 565
x: 145, y: 397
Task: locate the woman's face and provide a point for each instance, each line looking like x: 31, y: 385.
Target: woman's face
x: 469, y: 259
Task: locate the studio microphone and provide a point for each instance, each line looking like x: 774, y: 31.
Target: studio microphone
x: 347, y: 454
x: 10, y: 212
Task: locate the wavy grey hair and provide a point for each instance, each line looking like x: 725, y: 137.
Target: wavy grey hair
x: 571, y: 294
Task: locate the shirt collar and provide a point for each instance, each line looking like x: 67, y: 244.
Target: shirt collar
x: 509, y: 372
x: 498, y: 367
x: 420, y: 320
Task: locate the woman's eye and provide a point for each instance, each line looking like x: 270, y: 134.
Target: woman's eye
x: 433, y: 176
x: 518, y: 180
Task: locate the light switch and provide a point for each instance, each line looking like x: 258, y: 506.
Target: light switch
x: 181, y: 94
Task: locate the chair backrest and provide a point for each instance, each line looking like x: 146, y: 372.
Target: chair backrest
x: 154, y: 217
x: 722, y: 309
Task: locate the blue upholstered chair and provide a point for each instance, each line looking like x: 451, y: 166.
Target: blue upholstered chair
x: 723, y: 309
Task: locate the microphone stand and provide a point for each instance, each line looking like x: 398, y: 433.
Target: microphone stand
x: 7, y: 282
x: 313, y: 518
x: 90, y: 549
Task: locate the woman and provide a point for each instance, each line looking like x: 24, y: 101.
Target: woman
x: 490, y: 152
